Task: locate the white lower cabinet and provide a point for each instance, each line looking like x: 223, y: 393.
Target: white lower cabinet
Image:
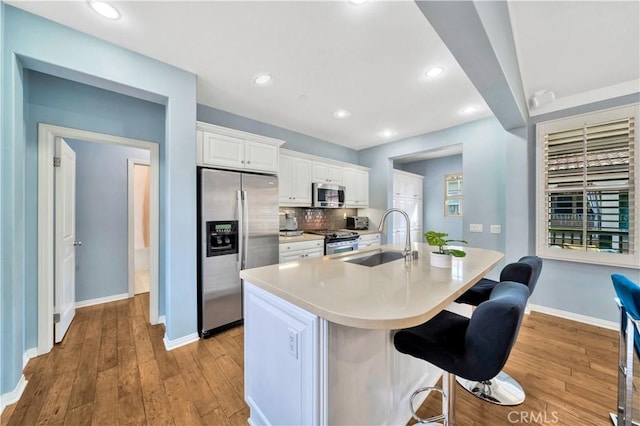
x: 304, y: 370
x: 301, y: 250
x: 368, y: 240
x: 281, y: 373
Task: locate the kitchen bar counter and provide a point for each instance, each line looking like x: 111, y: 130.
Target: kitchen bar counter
x: 318, y: 335
x: 389, y: 296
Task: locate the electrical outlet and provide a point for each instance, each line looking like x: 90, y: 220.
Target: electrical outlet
x: 496, y: 229
x: 475, y: 227
x: 293, y: 343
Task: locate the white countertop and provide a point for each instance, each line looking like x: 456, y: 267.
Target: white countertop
x: 389, y: 296
x: 299, y: 238
x: 363, y: 231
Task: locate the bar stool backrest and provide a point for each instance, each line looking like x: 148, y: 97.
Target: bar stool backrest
x: 526, y: 271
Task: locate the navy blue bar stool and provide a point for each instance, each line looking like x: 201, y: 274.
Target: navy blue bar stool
x: 502, y: 389
x: 474, y: 348
x: 628, y: 300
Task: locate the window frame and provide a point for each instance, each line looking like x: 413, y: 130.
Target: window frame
x: 459, y: 197
x: 628, y: 260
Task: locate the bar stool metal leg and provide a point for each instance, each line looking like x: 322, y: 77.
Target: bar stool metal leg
x: 502, y: 389
x: 624, y: 415
x: 449, y: 403
x: 429, y: 420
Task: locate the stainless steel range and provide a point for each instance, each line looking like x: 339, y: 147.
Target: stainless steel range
x: 338, y: 241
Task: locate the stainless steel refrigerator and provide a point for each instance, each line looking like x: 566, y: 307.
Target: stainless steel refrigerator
x: 238, y: 229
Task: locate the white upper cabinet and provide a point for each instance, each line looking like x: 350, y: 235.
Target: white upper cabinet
x: 327, y: 173
x: 294, y: 180
x: 232, y: 149
x: 356, y: 187
x: 299, y: 170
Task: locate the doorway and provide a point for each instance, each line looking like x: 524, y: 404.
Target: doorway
x: 46, y: 136
x: 138, y: 185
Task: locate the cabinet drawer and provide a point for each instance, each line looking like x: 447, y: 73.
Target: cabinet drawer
x: 302, y: 245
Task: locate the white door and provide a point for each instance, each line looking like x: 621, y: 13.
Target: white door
x: 65, y: 239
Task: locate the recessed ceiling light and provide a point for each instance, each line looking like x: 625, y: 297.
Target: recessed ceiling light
x: 105, y: 9
x: 434, y: 72
x: 358, y: 2
x: 387, y: 133
x: 469, y: 110
x: 341, y: 114
x: 263, y: 79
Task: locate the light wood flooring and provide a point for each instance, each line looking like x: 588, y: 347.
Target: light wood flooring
x: 112, y: 368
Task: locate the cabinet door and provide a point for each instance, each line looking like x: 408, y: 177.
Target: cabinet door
x: 284, y: 179
x: 221, y: 150
x: 327, y: 173
x: 260, y: 156
x: 301, y: 181
x: 356, y: 183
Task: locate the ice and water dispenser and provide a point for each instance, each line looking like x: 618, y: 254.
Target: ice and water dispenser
x: 222, y: 237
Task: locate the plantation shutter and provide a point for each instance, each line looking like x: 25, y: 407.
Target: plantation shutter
x: 590, y: 187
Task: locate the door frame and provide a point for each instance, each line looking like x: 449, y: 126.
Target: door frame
x: 46, y: 138
x: 131, y: 163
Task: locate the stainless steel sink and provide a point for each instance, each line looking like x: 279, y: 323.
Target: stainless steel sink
x: 373, y: 259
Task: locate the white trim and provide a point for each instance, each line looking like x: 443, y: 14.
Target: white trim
x: 13, y: 396
x: 609, y: 92
x: 610, y: 325
x: 27, y: 355
x: 99, y: 300
x: 324, y: 160
x: 46, y: 136
x: 227, y: 131
x: 175, y: 344
x: 162, y: 319
x: 131, y: 163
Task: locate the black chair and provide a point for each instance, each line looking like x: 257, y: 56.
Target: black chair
x: 475, y: 348
x: 502, y: 389
x: 525, y: 271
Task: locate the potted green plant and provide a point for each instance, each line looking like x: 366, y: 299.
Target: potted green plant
x: 442, y: 257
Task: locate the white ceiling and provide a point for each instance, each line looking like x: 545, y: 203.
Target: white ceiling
x: 368, y: 59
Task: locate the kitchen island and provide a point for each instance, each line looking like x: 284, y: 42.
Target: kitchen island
x: 319, y: 334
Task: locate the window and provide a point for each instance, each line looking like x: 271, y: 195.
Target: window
x: 588, y: 188
x: 453, y: 195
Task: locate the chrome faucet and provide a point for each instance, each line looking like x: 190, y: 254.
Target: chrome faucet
x: 407, y: 246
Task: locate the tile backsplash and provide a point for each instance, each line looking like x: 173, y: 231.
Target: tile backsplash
x: 309, y: 219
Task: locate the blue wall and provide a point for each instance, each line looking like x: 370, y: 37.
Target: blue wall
x: 67, y: 103
x: 434, y: 171
x: 102, y: 218
x: 34, y: 43
x: 294, y: 141
x: 484, y: 158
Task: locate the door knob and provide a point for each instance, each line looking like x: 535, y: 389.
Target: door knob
x: 77, y: 243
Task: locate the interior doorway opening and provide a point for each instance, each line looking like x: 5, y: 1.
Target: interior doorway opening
x: 46, y: 237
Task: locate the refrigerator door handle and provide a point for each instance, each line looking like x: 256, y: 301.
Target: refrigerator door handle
x: 245, y: 231
x: 240, y: 230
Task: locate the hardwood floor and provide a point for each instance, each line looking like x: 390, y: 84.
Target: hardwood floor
x: 112, y: 368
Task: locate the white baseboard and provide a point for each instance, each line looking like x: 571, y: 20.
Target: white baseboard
x: 611, y: 325
x: 100, y: 300
x: 13, y: 396
x: 29, y: 353
x: 174, y: 344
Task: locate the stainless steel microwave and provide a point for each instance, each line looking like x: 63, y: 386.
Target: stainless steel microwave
x: 328, y: 195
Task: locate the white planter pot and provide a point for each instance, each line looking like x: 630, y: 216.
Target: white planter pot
x: 441, y: 260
